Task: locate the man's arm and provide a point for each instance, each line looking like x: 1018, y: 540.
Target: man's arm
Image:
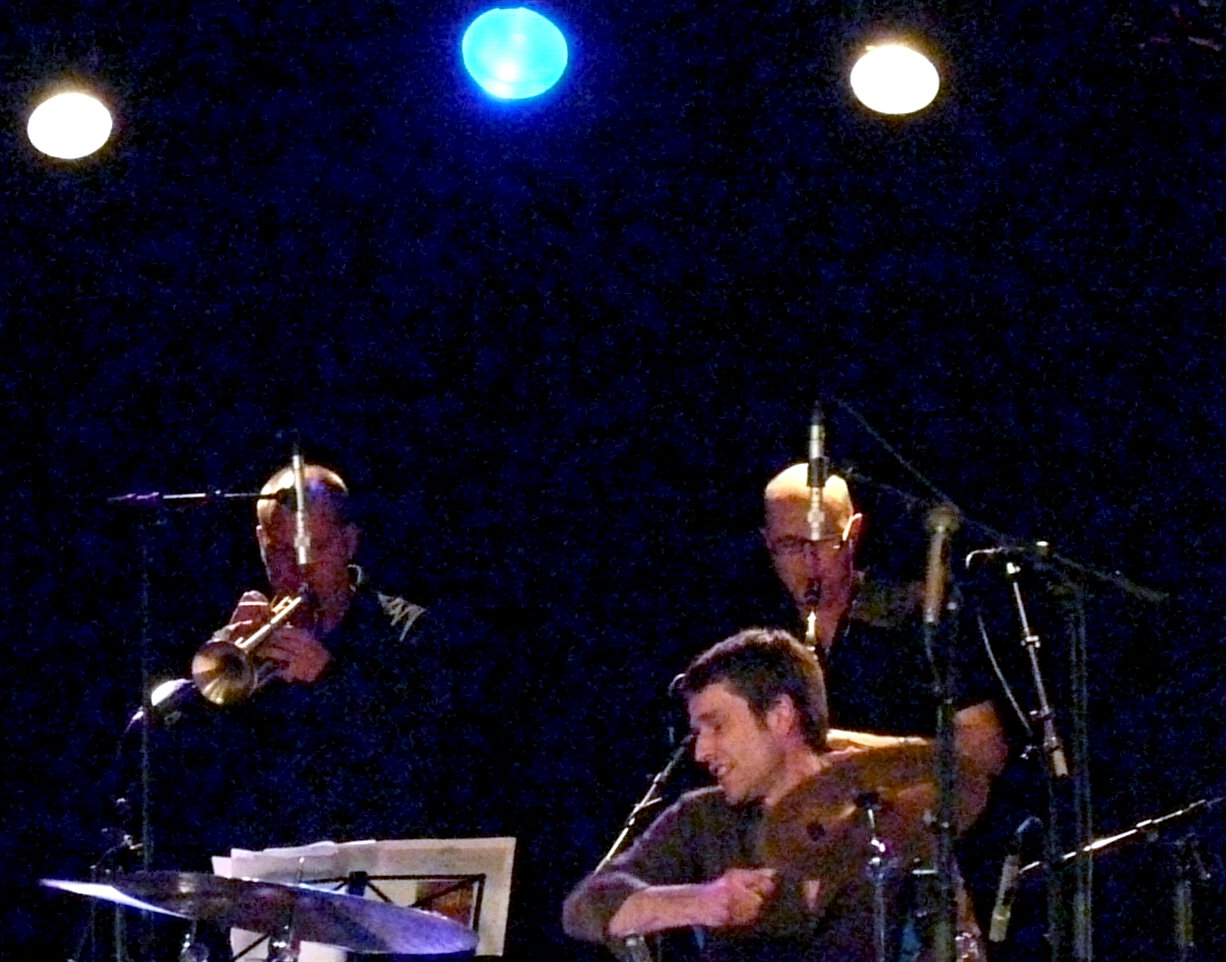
x: 735, y: 898
x: 660, y: 857
x: 676, y: 874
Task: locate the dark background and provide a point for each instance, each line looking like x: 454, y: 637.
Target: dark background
x: 561, y: 345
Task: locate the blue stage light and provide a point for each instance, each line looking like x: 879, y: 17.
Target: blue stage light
x: 514, y: 53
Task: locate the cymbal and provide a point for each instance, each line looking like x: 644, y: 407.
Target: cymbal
x: 819, y: 832
x: 332, y: 918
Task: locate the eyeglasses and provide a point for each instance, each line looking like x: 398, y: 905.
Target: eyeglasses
x: 793, y: 545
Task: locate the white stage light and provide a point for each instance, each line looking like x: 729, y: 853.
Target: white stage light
x: 69, y: 125
x: 894, y: 79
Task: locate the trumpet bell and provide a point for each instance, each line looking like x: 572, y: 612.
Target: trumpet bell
x: 228, y: 670
x: 224, y: 673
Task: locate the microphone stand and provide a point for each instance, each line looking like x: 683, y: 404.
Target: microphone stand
x: 942, y: 522
x: 1142, y: 831
x: 651, y: 799
x: 1083, y: 809
x: 302, y: 539
x: 146, y: 674
x: 818, y: 475
x: 155, y: 502
x: 126, y: 839
x: 1189, y: 866
x: 1056, y: 766
x: 635, y: 948
x: 1055, y: 769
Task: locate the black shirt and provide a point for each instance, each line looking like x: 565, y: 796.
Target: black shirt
x: 366, y: 751
x: 879, y: 677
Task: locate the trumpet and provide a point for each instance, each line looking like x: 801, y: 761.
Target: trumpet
x: 227, y: 671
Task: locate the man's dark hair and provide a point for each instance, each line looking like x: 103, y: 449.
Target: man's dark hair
x: 760, y: 665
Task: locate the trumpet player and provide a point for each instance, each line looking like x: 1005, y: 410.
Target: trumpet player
x: 324, y: 584
x: 331, y: 727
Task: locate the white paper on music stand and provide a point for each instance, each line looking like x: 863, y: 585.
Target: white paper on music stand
x: 491, y: 858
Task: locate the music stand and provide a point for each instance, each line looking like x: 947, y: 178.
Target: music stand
x: 467, y: 879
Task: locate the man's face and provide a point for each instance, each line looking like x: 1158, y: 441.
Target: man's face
x: 745, y: 753
x: 333, y: 545
x: 809, y: 570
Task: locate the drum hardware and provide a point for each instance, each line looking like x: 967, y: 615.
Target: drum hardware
x: 877, y: 803
x: 878, y: 868
x: 289, y: 914
x: 810, y: 831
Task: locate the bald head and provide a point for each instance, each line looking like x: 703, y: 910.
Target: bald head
x: 332, y: 533
x: 324, y: 488
x: 816, y: 574
x: 790, y: 487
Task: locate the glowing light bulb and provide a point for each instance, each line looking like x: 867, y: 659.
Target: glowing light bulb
x: 69, y: 125
x: 894, y: 79
x: 514, y: 54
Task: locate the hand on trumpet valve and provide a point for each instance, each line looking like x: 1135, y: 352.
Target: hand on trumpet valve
x: 297, y: 653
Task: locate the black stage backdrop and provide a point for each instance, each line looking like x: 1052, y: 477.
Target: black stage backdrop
x: 559, y: 348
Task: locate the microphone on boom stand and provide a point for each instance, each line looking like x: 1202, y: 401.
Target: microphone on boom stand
x: 819, y: 473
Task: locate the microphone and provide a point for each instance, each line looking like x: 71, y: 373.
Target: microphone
x: 1006, y: 888
x: 1039, y: 551
x: 167, y: 700
x: 302, y: 534
x: 942, y: 522
x: 819, y: 471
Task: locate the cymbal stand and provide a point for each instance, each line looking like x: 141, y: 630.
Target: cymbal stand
x: 89, y: 943
x: 193, y: 949
x: 870, y: 804
x: 284, y: 945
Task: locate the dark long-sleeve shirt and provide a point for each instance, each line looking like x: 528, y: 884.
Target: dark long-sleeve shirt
x: 697, y: 840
